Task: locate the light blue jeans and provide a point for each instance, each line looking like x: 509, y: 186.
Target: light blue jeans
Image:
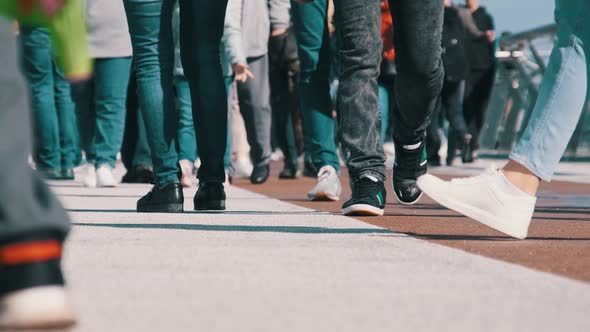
x: 562, y: 95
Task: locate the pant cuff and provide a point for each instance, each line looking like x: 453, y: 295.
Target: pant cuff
x: 524, y: 162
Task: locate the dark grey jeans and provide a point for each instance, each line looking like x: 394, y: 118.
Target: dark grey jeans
x: 420, y: 73
x: 27, y: 207
x: 254, y: 97
x: 418, y: 29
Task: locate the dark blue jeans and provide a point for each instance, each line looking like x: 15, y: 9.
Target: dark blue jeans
x: 101, y: 110
x: 54, y: 118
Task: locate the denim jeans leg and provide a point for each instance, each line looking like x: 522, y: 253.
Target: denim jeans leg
x: 359, y: 25
x: 384, y: 110
x: 201, y: 29
x: 562, y: 95
x: 111, y: 78
x: 315, y: 104
x: 187, y: 142
x: 83, y: 95
x: 420, y: 73
x: 66, y: 117
x: 150, y: 26
x: 37, y: 66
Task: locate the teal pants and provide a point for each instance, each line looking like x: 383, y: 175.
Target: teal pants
x: 313, y: 43
x: 100, y: 104
x: 54, y: 118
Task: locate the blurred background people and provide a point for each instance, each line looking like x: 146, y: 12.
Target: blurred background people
x: 482, y: 71
x: 454, y: 38
x: 247, y: 28
x: 55, y: 140
x: 101, y: 101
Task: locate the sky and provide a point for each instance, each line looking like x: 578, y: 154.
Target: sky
x: 519, y: 15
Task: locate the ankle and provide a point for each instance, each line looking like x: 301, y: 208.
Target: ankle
x: 521, y: 178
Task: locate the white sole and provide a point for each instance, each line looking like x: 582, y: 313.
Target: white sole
x: 411, y: 203
x: 476, y: 214
x: 323, y: 197
x: 362, y: 210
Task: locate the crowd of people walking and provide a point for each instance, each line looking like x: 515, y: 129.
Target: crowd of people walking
x: 215, y: 89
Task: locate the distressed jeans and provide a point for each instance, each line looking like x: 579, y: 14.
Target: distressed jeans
x: 562, y: 95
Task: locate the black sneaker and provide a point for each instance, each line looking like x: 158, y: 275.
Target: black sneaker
x: 368, y: 198
x: 410, y: 163
x: 260, y: 174
x: 210, y: 196
x: 290, y: 172
x: 467, y: 151
x: 168, y: 199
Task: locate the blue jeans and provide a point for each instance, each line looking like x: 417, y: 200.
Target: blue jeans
x: 384, y: 100
x: 314, y: 86
x: 187, y: 143
x: 54, y: 115
x: 150, y: 26
x: 562, y: 94
x: 101, y: 110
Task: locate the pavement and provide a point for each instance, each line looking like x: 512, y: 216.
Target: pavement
x: 271, y: 265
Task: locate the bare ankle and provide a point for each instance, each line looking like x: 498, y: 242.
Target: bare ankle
x: 521, y: 177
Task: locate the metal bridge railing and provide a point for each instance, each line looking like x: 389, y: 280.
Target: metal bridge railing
x: 522, y: 60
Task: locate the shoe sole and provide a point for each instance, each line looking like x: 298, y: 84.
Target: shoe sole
x: 476, y: 214
x: 408, y: 203
x: 41, y: 324
x: 217, y: 205
x: 363, y: 210
x: 323, y: 197
x: 163, y: 208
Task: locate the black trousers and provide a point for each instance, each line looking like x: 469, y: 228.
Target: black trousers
x: 477, y: 95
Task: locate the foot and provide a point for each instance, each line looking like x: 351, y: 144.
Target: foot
x: 328, y: 187
x: 466, y: 151
x: 488, y: 198
x: 242, y: 169
x: 210, y: 196
x: 290, y: 172
x: 89, y: 179
x: 260, y: 174
x: 167, y: 199
x: 186, y: 166
x: 368, y: 198
x: 410, y: 163
x: 67, y: 174
x: 105, y: 177
x: 44, y: 307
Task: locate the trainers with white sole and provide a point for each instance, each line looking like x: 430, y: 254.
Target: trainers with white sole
x: 328, y: 187
x: 105, y: 177
x: 36, y: 308
x: 488, y: 198
x: 89, y: 177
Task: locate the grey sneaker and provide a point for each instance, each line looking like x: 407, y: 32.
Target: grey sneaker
x: 328, y: 186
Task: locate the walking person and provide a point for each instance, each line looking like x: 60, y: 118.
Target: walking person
x: 247, y: 30
x: 310, y: 21
x: 480, y: 79
x: 33, y: 224
x: 101, y: 101
x: 504, y: 199
x: 201, y: 29
x: 454, y: 38
x: 54, y: 118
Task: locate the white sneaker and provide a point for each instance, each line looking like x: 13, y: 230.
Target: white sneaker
x: 89, y: 179
x: 105, y: 177
x: 36, y: 308
x: 242, y: 169
x: 488, y: 198
x: 328, y: 187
